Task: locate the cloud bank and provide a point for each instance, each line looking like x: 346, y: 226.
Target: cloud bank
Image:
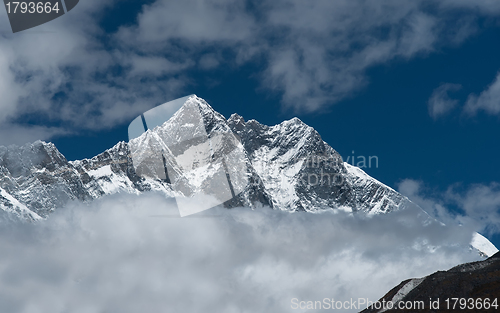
x: 131, y: 254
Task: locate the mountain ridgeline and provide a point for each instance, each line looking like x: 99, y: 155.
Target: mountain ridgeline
x: 469, y: 287
x: 289, y: 167
x: 286, y: 167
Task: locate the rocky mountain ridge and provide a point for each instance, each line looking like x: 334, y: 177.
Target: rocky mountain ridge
x: 287, y: 166
x: 476, y: 281
x: 36, y: 178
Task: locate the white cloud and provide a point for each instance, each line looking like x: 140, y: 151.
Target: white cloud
x: 315, y: 53
x: 488, y: 100
x: 479, y: 204
x: 13, y: 134
x: 128, y: 253
x: 440, y: 103
x: 209, y: 61
x: 434, y: 205
x: 8, y: 88
x: 62, y: 73
x: 193, y: 21
x: 488, y: 7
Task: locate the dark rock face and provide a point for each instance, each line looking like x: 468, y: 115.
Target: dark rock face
x: 303, y: 173
x: 476, y: 280
x: 289, y: 167
x: 40, y: 178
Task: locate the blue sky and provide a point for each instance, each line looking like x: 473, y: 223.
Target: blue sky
x: 411, y: 82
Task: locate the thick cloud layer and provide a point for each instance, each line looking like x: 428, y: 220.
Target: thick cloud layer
x: 134, y: 254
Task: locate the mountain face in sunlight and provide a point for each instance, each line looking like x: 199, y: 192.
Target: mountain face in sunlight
x: 287, y: 167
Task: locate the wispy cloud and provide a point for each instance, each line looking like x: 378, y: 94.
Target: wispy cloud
x: 478, y: 205
x: 481, y: 204
x: 127, y: 254
x: 488, y: 100
x: 13, y: 134
x: 440, y: 103
x: 315, y: 53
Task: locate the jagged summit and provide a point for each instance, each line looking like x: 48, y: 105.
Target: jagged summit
x: 287, y: 167
x: 280, y: 162
x: 236, y: 117
x: 39, y: 155
x: 236, y: 122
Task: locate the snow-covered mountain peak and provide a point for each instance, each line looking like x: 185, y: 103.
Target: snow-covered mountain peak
x: 236, y: 122
x: 20, y: 160
x: 286, y: 166
x: 194, y: 118
x: 236, y: 118
x: 294, y: 121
